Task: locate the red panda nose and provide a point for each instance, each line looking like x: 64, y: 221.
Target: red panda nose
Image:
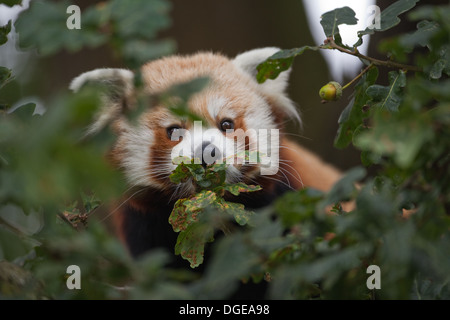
x: 210, y: 154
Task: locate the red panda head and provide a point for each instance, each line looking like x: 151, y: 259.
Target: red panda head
x: 239, y: 114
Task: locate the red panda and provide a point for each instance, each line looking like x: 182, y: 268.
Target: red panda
x: 232, y: 100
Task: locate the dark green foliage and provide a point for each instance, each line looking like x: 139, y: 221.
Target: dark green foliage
x: 53, y: 181
x: 387, y: 97
x: 4, y: 30
x: 404, y: 128
x: 129, y: 27
x: 279, y: 62
x: 5, y: 76
x: 357, y: 110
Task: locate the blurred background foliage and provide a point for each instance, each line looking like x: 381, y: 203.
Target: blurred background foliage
x: 53, y: 183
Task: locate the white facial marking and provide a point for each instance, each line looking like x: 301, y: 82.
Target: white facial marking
x: 217, y: 105
x: 137, y: 154
x: 259, y: 115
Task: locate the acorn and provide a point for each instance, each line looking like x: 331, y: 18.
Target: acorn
x: 332, y: 91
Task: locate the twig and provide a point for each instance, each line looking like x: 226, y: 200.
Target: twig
x: 11, y: 227
x: 64, y: 218
x: 358, y: 76
x: 330, y: 44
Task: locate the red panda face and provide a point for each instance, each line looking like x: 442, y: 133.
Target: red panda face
x: 238, y: 114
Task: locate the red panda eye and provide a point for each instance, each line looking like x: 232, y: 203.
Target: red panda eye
x: 226, y: 125
x: 170, y: 130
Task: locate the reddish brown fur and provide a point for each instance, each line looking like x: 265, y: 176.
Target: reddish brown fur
x: 299, y: 168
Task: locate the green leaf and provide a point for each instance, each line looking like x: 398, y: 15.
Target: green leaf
x: 345, y: 187
x: 425, y: 31
x: 442, y: 64
x: 297, y: 206
x: 14, y: 245
x: 394, y: 134
x: 186, y: 211
x: 237, y: 210
x: 139, y: 18
x: 50, y: 19
x: 239, y: 187
x: 5, y: 76
x: 331, y: 20
x: 430, y: 12
x: 180, y: 174
x: 279, y: 62
x: 11, y: 3
x: 213, y: 177
x: 186, y: 89
x: 194, y: 232
x: 232, y: 261
x: 139, y: 51
x: 25, y: 112
x: 90, y: 202
x: 4, y: 30
x: 182, y: 92
x: 388, y: 97
x: 333, y: 264
x: 216, y: 175
x: 191, y: 242
x: 130, y: 27
x: 200, y: 201
x: 24, y: 223
x: 437, y: 68
x: 356, y: 110
x: 427, y: 289
x: 179, y: 216
x: 197, y: 172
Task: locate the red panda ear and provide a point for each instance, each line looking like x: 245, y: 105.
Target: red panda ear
x: 119, y: 85
x: 275, y: 90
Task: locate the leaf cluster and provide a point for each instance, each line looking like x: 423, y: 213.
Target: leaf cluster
x: 130, y: 28
x: 187, y: 216
x: 400, y: 216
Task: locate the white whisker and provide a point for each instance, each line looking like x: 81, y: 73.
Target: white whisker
x: 123, y: 202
